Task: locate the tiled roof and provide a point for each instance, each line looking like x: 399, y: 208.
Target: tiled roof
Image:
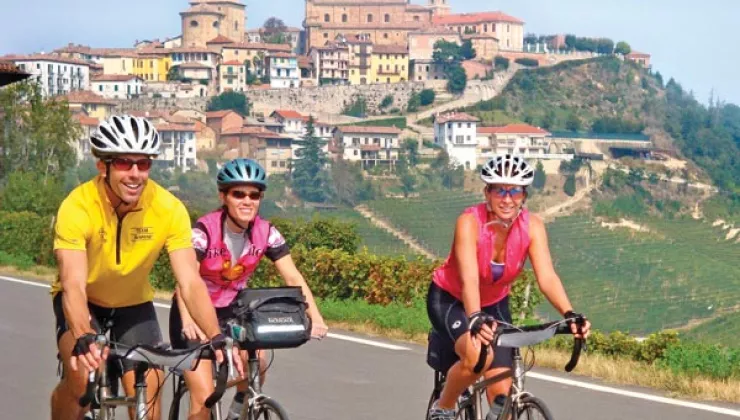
x: 194, y: 65
x: 190, y: 50
x: 455, y: 117
x: 233, y: 63
x: 259, y: 46
x: 220, y: 40
x: 86, y: 97
x: 45, y: 57
x: 473, y: 18
x: 636, y: 54
x: 218, y: 114
x: 86, y: 120
x: 390, y: 49
x: 175, y: 127
x: 359, y: 129
x: 304, y: 62
x: 513, y: 129
x: 288, y: 114
x: 283, y: 55
x: 113, y: 78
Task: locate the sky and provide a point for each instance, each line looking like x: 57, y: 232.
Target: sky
x: 695, y: 42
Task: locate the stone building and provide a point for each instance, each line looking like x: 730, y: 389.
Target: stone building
x: 386, y: 22
x: 507, y: 29
x: 207, y: 19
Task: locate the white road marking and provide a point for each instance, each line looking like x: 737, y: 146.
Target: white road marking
x: 167, y: 306
x: 535, y: 375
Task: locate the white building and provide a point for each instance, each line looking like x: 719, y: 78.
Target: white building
x: 457, y: 133
x: 56, y: 75
x: 369, y: 145
x: 232, y: 76
x: 516, y: 139
x: 294, y: 125
x: 178, y: 146
x: 117, y: 86
x: 81, y: 145
x: 283, y: 70
x: 175, y: 90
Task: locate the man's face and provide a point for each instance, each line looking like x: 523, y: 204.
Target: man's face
x: 128, y: 175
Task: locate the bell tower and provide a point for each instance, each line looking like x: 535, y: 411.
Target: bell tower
x: 439, y: 7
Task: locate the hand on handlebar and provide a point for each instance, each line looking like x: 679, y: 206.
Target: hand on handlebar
x: 579, y: 324
x: 87, y: 353
x: 224, y: 347
x: 481, y: 327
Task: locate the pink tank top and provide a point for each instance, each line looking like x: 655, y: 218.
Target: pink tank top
x: 448, y: 278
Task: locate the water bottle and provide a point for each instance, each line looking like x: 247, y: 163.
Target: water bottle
x: 497, y: 407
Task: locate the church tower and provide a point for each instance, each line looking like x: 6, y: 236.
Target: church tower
x: 439, y: 7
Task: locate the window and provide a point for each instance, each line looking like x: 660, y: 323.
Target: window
x: 468, y: 125
x: 344, y: 18
x: 385, y: 35
x: 485, y: 27
x: 216, y: 24
x: 274, y: 164
x: 326, y: 35
x: 416, y: 18
x: 387, y: 79
x: 115, y: 88
x: 100, y: 88
x: 508, y: 28
x: 236, y: 26
x: 369, y: 17
x: 193, y: 23
x: 459, y: 125
x: 387, y: 18
x: 459, y: 139
x: 468, y: 138
x: 282, y: 163
x: 326, y: 18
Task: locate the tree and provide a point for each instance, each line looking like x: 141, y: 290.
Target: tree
x: 411, y: 148
x: 31, y: 191
x: 310, y: 179
x: 36, y: 134
x: 622, y: 48
x: 408, y: 184
x: 530, y: 38
x: 273, y: 31
x: 467, y: 52
x: 446, y: 52
x: 659, y: 78
x: 387, y: 101
x: 414, y: 102
x: 540, y: 177
x: 173, y: 74
x: 573, y: 123
x: 550, y: 119
x: 235, y: 101
x: 501, y: 62
x: 456, y: 79
x: 570, y: 41
x: 570, y: 185
x: 426, y: 97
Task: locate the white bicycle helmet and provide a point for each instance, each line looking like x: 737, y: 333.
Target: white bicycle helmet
x: 507, y: 169
x: 125, y: 134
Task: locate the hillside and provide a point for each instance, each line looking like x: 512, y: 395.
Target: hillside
x: 602, y: 94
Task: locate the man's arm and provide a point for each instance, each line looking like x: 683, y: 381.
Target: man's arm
x: 193, y: 292
x: 73, y: 279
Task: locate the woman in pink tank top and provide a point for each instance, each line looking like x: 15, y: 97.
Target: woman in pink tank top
x: 491, y: 243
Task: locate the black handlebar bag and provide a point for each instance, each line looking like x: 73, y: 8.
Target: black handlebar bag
x: 272, y: 317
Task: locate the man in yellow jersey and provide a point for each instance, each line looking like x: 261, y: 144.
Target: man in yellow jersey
x: 108, y: 234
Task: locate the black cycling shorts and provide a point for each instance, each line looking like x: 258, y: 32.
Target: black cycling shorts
x: 129, y: 325
x: 178, y: 340
x: 448, y: 318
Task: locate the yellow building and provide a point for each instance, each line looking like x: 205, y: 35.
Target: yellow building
x: 95, y: 106
x: 152, y: 65
x: 361, y: 70
x: 390, y: 63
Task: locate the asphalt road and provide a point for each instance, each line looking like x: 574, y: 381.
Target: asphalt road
x: 331, y: 379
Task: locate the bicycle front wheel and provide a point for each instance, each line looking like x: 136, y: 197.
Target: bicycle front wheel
x: 532, y: 408
x: 268, y: 409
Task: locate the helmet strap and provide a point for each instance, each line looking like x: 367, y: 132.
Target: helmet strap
x: 233, y: 219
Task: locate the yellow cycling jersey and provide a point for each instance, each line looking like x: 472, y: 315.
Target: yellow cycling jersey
x: 121, y: 251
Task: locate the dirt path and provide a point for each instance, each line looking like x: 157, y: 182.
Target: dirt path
x: 579, y: 195
x: 382, y: 224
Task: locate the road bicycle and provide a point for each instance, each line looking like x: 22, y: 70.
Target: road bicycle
x: 520, y: 403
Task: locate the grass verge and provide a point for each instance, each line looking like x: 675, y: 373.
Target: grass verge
x: 411, y: 324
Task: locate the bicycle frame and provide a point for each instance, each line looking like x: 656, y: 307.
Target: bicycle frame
x: 516, y: 391
x: 107, y: 400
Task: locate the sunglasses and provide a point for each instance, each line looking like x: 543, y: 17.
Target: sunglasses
x: 124, y: 164
x: 240, y: 195
x: 502, y: 192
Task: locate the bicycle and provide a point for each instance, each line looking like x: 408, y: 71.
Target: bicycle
x: 102, y: 388
x: 519, y: 404
x: 256, y: 404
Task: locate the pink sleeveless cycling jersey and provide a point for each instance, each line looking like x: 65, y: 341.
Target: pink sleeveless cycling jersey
x: 448, y: 278
x: 224, y: 280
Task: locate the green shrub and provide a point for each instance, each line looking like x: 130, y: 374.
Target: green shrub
x: 426, y: 97
x: 387, y: 101
x: 27, y: 234
x: 501, y: 62
x: 702, y: 359
x: 529, y: 62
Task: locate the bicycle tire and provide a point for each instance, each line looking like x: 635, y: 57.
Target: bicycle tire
x: 269, y: 410
x: 176, y: 404
x: 529, y: 406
